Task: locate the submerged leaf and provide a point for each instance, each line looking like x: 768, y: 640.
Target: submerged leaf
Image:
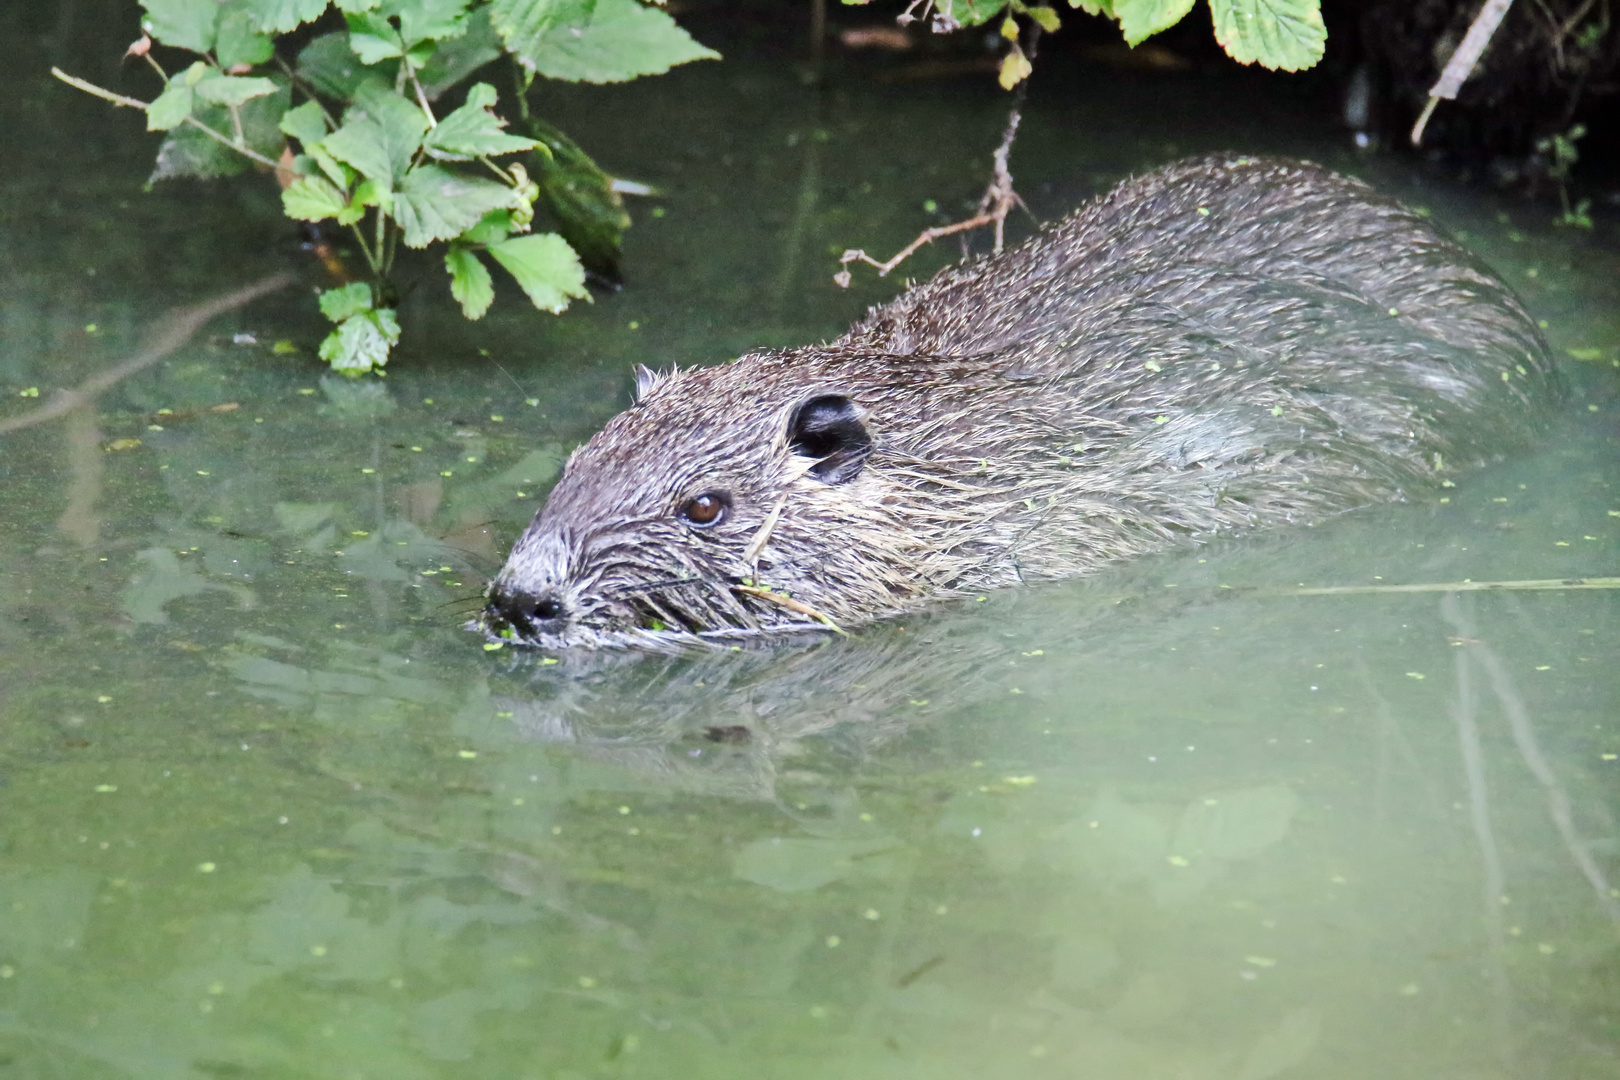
x: 188, y: 151
x: 590, y: 215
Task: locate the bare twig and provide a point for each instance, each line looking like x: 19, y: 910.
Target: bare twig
x: 136, y: 103
x: 172, y: 333
x: 998, y: 200
x: 1462, y: 62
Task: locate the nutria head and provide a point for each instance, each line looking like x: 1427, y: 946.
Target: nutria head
x: 723, y: 502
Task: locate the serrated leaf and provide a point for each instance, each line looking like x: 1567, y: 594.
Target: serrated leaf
x: 185, y: 24
x: 346, y: 300
x: 361, y: 342
x: 1141, y: 19
x: 545, y: 266
x: 470, y: 282
x: 355, y: 7
x: 312, y: 198
x: 434, y: 204
x: 330, y: 66
x: 473, y: 131
x: 1278, y: 34
x: 239, y: 42
x: 975, y: 12
x: 280, y: 16
x: 306, y: 123
x: 595, y: 41
x: 423, y: 20
x: 232, y: 89
x: 170, y: 108
x: 403, y: 124
x: 361, y: 142
x: 187, y: 151
x: 373, y: 38
x: 1095, y: 7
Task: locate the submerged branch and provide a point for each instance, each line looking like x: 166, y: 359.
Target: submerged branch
x: 174, y: 332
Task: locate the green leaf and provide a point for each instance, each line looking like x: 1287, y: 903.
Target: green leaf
x: 580, y: 196
x: 470, y: 282
x: 403, y: 124
x: 545, y: 266
x: 232, y: 89
x: 423, y: 20
x: 185, y: 24
x: 280, y: 16
x: 361, y: 342
x: 491, y: 228
x: 170, y: 108
x: 187, y: 151
x: 1095, y: 7
x: 330, y: 66
x: 346, y: 301
x: 373, y: 38
x: 313, y: 198
x: 355, y: 7
x: 434, y: 204
x: 1285, y: 34
x: 1046, y: 17
x: 1141, y: 19
x: 456, y: 58
x: 372, y: 193
x: 360, y: 142
x: 594, y: 41
x: 239, y: 42
x: 337, y: 172
x: 307, y: 124
x: 975, y: 12
x: 473, y: 131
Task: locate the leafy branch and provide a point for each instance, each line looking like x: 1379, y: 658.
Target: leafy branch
x: 368, y: 150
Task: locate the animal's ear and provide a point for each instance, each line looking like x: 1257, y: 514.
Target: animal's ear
x: 829, y: 428
x: 646, y: 379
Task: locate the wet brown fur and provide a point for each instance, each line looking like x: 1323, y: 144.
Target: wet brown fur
x: 1221, y: 345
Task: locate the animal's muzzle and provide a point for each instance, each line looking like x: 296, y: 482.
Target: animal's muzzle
x: 527, y: 614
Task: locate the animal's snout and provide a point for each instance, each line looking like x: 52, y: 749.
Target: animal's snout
x: 528, y: 613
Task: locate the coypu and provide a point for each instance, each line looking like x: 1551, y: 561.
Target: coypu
x: 1223, y: 344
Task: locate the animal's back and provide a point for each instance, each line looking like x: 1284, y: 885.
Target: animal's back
x: 1225, y: 343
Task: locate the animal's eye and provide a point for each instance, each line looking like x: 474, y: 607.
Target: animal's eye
x: 706, y: 509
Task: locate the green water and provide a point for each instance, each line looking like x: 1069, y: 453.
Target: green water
x: 267, y: 811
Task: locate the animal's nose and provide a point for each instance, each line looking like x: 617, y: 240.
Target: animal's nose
x: 528, y: 612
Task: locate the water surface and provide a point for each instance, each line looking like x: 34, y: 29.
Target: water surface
x: 265, y: 810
